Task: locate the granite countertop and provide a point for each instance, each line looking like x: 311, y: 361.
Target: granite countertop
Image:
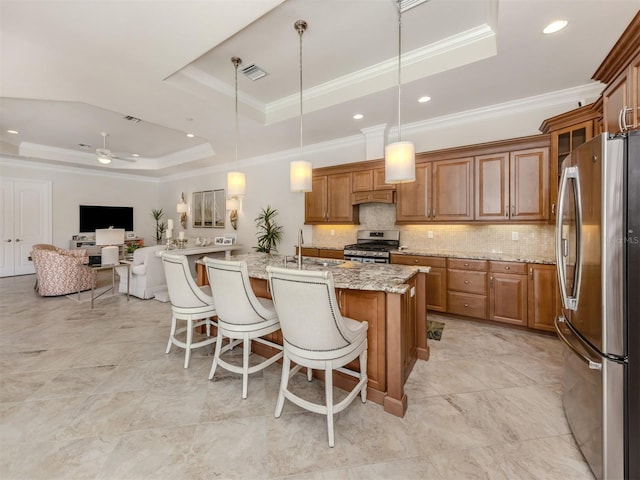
x: 349, y: 275
x: 500, y: 257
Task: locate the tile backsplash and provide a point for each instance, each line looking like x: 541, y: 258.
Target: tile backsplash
x: 534, y: 241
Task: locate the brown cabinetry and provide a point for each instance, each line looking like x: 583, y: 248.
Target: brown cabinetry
x: 372, y: 179
x: 567, y: 131
x: 322, y: 252
x: 508, y: 292
x: 443, y: 191
x: 436, y: 284
x: 619, y: 71
x: 467, y: 287
x: 513, y: 186
x: 330, y: 200
x: 544, y: 301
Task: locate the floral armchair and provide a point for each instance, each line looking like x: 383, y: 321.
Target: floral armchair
x: 58, y: 272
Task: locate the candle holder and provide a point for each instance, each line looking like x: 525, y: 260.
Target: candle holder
x: 182, y: 244
x: 170, y: 244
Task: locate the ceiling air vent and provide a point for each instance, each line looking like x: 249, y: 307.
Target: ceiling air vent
x: 132, y: 119
x: 409, y: 4
x: 254, y: 72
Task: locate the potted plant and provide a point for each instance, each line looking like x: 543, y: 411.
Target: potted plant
x: 269, y: 232
x: 160, y: 225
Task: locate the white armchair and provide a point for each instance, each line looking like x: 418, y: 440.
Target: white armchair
x: 146, y: 273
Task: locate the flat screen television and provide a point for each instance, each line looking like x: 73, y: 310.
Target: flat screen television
x: 93, y: 217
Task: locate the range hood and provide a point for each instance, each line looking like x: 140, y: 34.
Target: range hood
x: 373, y: 196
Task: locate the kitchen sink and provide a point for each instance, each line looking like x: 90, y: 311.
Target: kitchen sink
x: 324, y: 262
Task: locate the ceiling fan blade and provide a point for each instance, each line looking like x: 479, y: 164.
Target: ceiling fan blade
x: 124, y: 159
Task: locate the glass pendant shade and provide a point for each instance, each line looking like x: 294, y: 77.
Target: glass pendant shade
x: 300, y: 176
x: 236, y: 184
x: 400, y: 162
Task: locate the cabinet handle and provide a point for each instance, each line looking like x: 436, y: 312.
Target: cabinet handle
x: 623, y: 116
x: 433, y: 213
x: 17, y: 239
x: 620, y: 118
x: 491, y: 281
x: 8, y: 240
x: 340, y: 298
x: 531, y: 273
x: 553, y: 209
x: 507, y: 268
x: 466, y: 305
x: 415, y: 260
x: 466, y: 282
x: 513, y: 210
x: 466, y: 264
x: 506, y: 211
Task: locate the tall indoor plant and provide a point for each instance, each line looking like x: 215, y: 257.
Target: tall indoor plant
x: 269, y: 232
x: 157, y: 215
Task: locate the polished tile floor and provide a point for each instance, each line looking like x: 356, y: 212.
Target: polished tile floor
x: 91, y: 394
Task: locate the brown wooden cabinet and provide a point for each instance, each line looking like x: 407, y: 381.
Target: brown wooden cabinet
x: 442, y: 192
x: 436, y: 284
x: 568, y: 131
x: 508, y: 292
x: 369, y: 180
x: 467, y: 287
x: 620, y: 72
x: 512, y: 186
x: 544, y: 301
x: 330, y: 200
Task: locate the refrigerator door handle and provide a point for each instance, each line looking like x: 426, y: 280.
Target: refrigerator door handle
x: 562, y: 244
x: 590, y: 363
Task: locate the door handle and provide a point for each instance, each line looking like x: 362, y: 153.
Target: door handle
x: 592, y: 365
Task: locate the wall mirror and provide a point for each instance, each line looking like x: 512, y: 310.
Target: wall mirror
x: 209, y: 209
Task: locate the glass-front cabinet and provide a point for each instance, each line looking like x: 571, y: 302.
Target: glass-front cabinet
x: 567, y: 131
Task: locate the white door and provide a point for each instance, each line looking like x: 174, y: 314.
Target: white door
x: 26, y: 220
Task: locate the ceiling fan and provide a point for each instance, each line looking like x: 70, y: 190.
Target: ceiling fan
x: 105, y: 155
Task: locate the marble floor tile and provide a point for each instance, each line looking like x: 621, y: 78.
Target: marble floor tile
x: 90, y: 394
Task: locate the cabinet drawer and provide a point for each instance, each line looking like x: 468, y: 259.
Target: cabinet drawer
x: 508, y: 267
x: 467, y: 264
x: 326, y: 253
x: 440, y: 262
x: 467, y: 304
x: 467, y: 281
x: 308, y: 252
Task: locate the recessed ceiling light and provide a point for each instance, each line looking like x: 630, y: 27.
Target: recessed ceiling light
x: 424, y: 99
x: 358, y: 116
x: 555, y: 26
x: 190, y: 135
x: 104, y: 160
x: 15, y: 132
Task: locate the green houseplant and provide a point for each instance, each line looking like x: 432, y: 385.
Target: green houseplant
x: 157, y: 215
x: 269, y: 232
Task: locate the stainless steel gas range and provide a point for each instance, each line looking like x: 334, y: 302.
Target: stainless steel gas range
x: 373, y: 246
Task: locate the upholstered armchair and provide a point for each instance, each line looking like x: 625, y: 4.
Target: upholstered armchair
x: 146, y: 273
x: 58, y: 270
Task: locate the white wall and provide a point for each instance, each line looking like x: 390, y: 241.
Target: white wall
x: 72, y: 187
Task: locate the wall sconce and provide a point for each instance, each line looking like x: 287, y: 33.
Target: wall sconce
x: 182, y: 210
x: 232, y: 205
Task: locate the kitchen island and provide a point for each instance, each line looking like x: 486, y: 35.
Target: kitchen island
x: 390, y: 297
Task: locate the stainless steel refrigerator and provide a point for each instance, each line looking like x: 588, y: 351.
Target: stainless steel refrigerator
x: 598, y: 264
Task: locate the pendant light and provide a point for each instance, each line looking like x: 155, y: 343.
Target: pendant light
x: 236, y: 181
x: 399, y: 157
x: 300, y: 170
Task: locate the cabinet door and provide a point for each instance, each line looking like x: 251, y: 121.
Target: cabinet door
x: 362, y: 181
x: 370, y: 307
x: 452, y: 190
x: 378, y: 181
x: 614, y: 99
x: 413, y: 203
x: 437, y: 289
x: 529, y: 184
x: 508, y: 298
x: 315, y: 201
x: 340, y: 208
x: 492, y: 187
x: 543, y: 301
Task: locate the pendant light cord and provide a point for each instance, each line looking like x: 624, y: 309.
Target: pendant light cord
x: 301, y: 27
x: 236, y: 62
x: 399, y: 68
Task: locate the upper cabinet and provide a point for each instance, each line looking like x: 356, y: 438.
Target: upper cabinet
x: 512, y: 186
x: 371, y: 179
x: 330, y: 200
x: 619, y: 71
x: 443, y: 191
x: 567, y: 131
